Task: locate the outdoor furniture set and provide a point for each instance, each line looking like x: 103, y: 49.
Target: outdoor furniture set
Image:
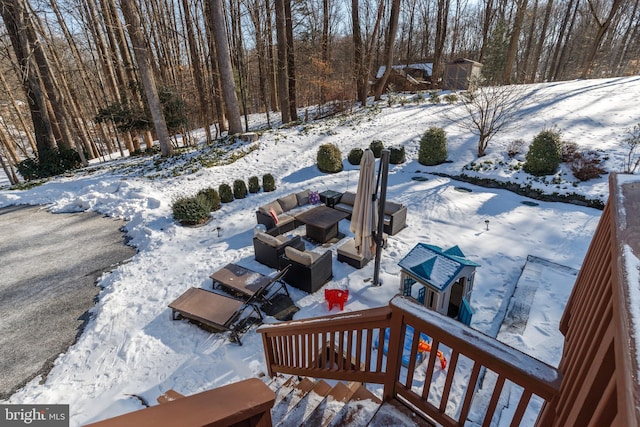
x: 244, y: 290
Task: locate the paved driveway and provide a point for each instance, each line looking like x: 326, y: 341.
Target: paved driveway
x: 49, y: 264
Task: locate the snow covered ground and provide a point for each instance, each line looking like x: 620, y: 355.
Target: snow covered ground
x: 131, y: 345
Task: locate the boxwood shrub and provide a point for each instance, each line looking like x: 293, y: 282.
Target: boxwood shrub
x: 545, y: 154
x: 396, y: 155
x: 254, y: 184
x: 239, y: 189
x: 209, y: 198
x: 190, y: 210
x: 226, y: 195
x: 268, y: 182
x: 433, y: 147
x: 329, y: 158
x: 355, y: 156
x: 376, y: 146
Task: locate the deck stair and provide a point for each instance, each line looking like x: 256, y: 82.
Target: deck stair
x: 319, y: 403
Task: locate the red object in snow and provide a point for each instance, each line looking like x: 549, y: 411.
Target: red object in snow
x: 336, y: 297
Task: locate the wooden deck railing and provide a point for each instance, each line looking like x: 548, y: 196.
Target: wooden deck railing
x: 349, y: 347
x: 600, y: 357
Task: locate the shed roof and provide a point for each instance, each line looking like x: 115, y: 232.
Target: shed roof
x: 426, y: 66
x: 430, y: 264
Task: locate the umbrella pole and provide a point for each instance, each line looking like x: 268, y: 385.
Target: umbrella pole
x: 384, y: 165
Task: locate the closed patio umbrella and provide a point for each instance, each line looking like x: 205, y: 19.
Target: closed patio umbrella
x: 364, y: 217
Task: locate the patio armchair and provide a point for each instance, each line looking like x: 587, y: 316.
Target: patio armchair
x: 308, y: 271
x: 269, y: 249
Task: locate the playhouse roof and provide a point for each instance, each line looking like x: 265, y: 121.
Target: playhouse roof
x: 430, y: 264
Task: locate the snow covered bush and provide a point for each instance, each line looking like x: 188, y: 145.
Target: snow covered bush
x: 329, y: 158
x: 433, y: 147
x: 545, y: 154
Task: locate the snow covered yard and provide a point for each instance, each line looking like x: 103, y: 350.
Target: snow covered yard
x: 131, y: 345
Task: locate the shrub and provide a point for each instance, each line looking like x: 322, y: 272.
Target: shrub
x: 544, y: 155
x: 190, y: 210
x: 209, y: 198
x: 355, y: 156
x: 239, y: 189
x: 329, y: 158
x: 569, y: 151
x: 434, y: 97
x: 51, y: 162
x: 433, y: 147
x: 376, y: 147
x: 226, y: 195
x: 586, y: 165
x: 396, y: 155
x: 268, y: 183
x: 254, y: 184
x: 450, y: 98
x: 515, y: 147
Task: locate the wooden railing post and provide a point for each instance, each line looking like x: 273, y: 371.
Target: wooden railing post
x: 394, y: 355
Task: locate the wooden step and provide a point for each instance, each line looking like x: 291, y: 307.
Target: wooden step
x: 330, y: 406
x: 288, y: 397
x: 305, y: 405
x: 359, y: 410
x: 394, y: 413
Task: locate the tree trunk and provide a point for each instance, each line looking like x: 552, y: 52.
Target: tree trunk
x: 147, y: 77
x: 14, y: 15
x: 441, y: 35
x: 486, y: 26
x: 361, y: 90
x: 513, y: 42
x: 283, y: 79
x: 224, y: 66
x: 388, y: 50
x: 291, y: 67
x: 602, y: 29
x: 215, y: 73
x: 536, y: 60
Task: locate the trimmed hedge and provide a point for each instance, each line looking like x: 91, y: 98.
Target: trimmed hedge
x: 376, y: 147
x: 239, y: 189
x: 268, y: 182
x: 190, y: 210
x: 254, y: 184
x: 209, y: 198
x: 226, y: 194
x: 396, y: 155
x: 355, y: 156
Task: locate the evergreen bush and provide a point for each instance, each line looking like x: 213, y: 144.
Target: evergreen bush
x: 396, y: 155
x: 355, y: 156
x: 254, y: 184
x: 450, y: 98
x: 433, y: 147
x: 268, y: 183
x: 376, y: 147
x: 209, y: 198
x: 226, y: 195
x: 329, y: 158
x: 51, y: 162
x: 190, y: 210
x: 545, y: 154
x: 239, y: 189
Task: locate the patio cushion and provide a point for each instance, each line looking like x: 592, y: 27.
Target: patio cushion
x: 266, y: 209
x: 304, y: 258
x: 348, y: 198
x: 391, y: 207
x: 288, y: 202
x: 268, y: 239
x: 303, y: 197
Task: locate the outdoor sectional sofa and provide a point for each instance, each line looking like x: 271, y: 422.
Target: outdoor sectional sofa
x: 269, y: 249
x: 308, y: 270
x: 395, y: 214
x: 278, y: 217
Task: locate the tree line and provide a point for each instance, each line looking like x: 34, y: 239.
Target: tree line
x: 93, y: 77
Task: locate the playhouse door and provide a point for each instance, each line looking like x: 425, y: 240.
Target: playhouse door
x: 465, y: 313
x: 455, y: 300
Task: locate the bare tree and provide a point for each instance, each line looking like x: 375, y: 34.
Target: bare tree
x: 388, y: 48
x: 147, y: 77
x: 282, y: 69
x: 489, y: 110
x: 632, y: 141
